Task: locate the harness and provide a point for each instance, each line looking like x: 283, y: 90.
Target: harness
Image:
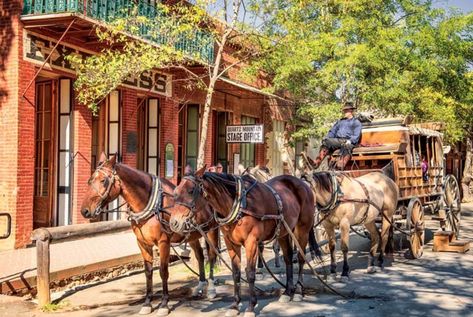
x: 239, y: 207
x: 153, y: 207
x: 338, y: 198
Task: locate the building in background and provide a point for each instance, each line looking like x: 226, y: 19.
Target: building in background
x: 50, y: 143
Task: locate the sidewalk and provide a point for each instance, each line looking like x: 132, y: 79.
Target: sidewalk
x: 69, y: 258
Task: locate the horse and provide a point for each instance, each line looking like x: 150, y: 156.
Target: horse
x: 345, y: 201
x: 250, y: 212
x: 151, y: 204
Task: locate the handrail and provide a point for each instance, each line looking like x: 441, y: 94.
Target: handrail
x: 43, y: 238
x: 8, y: 216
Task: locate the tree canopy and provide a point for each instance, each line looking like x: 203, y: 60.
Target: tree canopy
x: 393, y: 57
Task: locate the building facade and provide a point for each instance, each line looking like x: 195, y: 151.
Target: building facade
x: 51, y: 143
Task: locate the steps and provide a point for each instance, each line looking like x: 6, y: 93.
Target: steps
x: 445, y: 241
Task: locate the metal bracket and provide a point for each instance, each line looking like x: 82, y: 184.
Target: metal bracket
x: 8, y: 216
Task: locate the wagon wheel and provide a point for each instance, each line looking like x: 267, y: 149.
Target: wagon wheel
x: 415, y: 225
x: 453, y: 204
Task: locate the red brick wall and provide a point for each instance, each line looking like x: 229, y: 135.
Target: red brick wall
x: 9, y: 123
x: 82, y: 117
x: 129, y: 123
x: 169, y: 132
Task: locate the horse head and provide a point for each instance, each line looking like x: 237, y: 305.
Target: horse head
x: 103, y: 187
x: 190, y: 207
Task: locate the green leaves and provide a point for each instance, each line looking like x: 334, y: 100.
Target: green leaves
x: 393, y: 57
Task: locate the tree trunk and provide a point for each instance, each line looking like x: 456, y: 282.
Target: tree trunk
x: 213, y: 79
x: 467, y: 180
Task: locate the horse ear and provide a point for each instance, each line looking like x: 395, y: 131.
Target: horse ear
x: 103, y: 157
x: 200, y: 172
x: 113, y: 159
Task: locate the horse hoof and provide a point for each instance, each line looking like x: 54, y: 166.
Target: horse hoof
x: 249, y: 314
x: 164, y: 311
x: 344, y: 278
x: 284, y: 298
x: 211, y: 293
x: 145, y: 310
x: 297, y: 298
x: 259, y: 276
x: 232, y: 312
x: 371, y: 269
x: 332, y: 278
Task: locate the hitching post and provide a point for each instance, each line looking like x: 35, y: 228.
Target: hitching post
x: 43, y: 238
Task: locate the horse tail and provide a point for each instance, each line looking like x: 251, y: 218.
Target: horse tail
x: 313, y: 245
x: 392, y: 191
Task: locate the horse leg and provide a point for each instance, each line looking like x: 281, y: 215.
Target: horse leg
x: 287, y: 252
x: 234, y: 251
x: 302, y: 236
x: 147, y: 253
x: 374, y: 234
x: 164, y: 252
x: 330, y: 230
x: 213, y: 237
x: 259, y: 265
x: 199, y: 254
x: 251, y: 245
x: 276, y: 250
x: 345, y: 236
x: 386, y: 236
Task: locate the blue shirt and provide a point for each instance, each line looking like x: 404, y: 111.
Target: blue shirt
x: 346, y: 129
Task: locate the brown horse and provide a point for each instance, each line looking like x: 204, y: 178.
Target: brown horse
x: 150, y: 201
x: 346, y: 201
x: 251, y: 212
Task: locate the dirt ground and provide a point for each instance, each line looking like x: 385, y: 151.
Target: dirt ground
x: 438, y: 284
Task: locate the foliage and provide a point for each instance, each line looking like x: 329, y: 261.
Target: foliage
x: 394, y: 57
x: 123, y: 56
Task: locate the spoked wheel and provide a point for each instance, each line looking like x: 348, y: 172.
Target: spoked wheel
x: 453, y: 204
x: 415, y: 226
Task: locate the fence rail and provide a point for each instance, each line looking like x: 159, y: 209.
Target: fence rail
x: 199, y: 44
x: 44, y: 237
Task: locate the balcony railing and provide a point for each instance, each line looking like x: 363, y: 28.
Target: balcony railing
x: 107, y: 10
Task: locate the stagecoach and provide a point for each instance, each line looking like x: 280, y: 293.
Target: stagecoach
x: 413, y: 156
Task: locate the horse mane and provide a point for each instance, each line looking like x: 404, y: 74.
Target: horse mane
x: 225, y: 182
x: 324, y: 180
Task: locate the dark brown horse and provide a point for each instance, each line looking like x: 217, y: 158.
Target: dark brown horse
x: 249, y: 213
x: 149, y: 198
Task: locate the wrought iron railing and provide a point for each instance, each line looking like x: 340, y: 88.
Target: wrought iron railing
x: 107, y: 10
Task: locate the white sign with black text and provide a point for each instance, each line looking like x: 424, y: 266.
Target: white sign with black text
x: 245, y: 133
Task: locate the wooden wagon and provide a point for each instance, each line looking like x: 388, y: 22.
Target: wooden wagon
x: 400, y: 150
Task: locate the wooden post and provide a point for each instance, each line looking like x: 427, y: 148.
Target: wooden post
x: 43, y: 267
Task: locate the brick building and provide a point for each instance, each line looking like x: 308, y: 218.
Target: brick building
x: 50, y: 143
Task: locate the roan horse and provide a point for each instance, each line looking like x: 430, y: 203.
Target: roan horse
x: 149, y: 198
x: 250, y: 212
x: 346, y: 201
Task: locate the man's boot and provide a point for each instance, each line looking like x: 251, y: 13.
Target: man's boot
x: 318, y: 160
x: 342, y: 162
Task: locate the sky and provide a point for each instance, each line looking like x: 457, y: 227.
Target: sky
x: 464, y: 5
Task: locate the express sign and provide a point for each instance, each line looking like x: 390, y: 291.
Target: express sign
x: 245, y: 134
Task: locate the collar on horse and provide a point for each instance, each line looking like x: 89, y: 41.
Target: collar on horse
x: 154, y: 203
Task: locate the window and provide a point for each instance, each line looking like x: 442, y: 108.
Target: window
x: 192, y: 135
x: 247, y: 150
x: 220, y: 155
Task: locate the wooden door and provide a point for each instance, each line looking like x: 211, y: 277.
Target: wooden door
x: 44, y: 154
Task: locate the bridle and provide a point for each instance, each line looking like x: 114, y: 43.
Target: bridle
x: 191, y: 206
x: 110, y: 178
